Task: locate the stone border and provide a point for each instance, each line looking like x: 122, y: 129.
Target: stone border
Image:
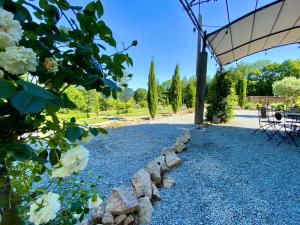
x: 134, y: 205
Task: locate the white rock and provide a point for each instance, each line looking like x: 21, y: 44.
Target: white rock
x: 186, y: 131
x: 142, y: 184
x: 86, y: 222
x: 122, y: 201
x: 161, y: 161
x: 165, y: 150
x: 155, y: 171
x: 155, y: 193
x: 168, y: 182
x: 182, y: 139
x: 172, y: 160
x: 120, y: 219
x: 108, y: 219
x: 128, y: 220
x: 179, y: 146
x: 145, y: 212
x: 97, y: 214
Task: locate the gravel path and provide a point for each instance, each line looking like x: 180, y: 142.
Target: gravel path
x: 230, y: 176
x: 117, y: 156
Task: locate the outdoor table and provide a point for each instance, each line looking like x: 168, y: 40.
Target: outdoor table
x: 293, y: 115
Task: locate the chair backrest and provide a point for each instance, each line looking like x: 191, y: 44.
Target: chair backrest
x: 262, y: 113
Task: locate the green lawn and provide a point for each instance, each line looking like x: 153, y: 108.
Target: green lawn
x: 92, y: 118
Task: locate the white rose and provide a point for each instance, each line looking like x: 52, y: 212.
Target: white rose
x: 44, y: 208
x: 64, y: 29
x: 51, y: 65
x: 6, y: 40
x: 71, y: 161
x: 94, y: 202
x: 5, y: 17
x: 10, y: 29
x: 18, y: 60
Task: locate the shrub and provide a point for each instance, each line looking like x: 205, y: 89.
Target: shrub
x: 111, y: 103
x: 250, y: 105
x: 190, y: 95
x: 243, y: 93
x: 221, y: 98
x: 176, y: 95
x: 143, y: 104
x: 278, y: 106
x: 152, y: 92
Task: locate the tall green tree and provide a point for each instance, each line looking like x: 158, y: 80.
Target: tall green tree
x: 221, y: 99
x: 140, y: 95
x: 176, y: 95
x: 183, y: 83
x: 190, y: 94
x: 152, y: 92
x: 243, y: 92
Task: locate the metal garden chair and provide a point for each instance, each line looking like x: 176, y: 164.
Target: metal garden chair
x: 266, y: 122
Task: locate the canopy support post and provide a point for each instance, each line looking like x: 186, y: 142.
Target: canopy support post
x: 201, y: 71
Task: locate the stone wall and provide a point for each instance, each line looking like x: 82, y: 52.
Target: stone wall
x: 134, y: 205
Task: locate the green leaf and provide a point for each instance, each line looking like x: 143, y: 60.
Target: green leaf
x: 94, y: 131
x: 54, y: 156
x: 90, y: 7
x: 134, y: 43
x: 4, y: 200
x: 76, y: 206
x: 105, y: 33
x: 99, y: 8
x: 27, y: 103
x: 102, y: 130
x: 52, y: 13
x: 73, y: 133
x: 22, y: 14
x: 37, y: 179
x: 7, y: 89
x: 61, y: 37
x: 67, y: 102
x: 36, y: 90
x: 42, y: 157
x: 73, y: 120
x: 16, y: 151
x: 76, y: 34
x: 63, y: 4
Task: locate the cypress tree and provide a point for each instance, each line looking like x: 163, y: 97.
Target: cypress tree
x: 176, y: 95
x: 243, y: 93
x: 152, y: 91
x: 190, y: 95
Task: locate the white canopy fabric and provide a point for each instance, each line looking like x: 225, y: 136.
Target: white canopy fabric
x: 270, y: 26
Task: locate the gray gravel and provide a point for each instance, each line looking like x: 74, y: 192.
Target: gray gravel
x: 117, y: 156
x: 230, y: 176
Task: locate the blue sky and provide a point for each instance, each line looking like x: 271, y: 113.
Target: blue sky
x: 165, y: 34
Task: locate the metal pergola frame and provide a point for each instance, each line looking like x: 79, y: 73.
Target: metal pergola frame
x: 207, y: 43
x: 187, y: 6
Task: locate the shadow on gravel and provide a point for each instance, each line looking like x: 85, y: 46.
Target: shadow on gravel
x: 231, y: 176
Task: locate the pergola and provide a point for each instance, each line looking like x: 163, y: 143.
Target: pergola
x: 273, y: 25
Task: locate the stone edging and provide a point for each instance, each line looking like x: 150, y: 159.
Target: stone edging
x: 133, y: 206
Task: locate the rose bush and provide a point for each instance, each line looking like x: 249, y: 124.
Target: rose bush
x: 44, y: 49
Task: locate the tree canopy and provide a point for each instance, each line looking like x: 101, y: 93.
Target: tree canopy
x: 288, y: 87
